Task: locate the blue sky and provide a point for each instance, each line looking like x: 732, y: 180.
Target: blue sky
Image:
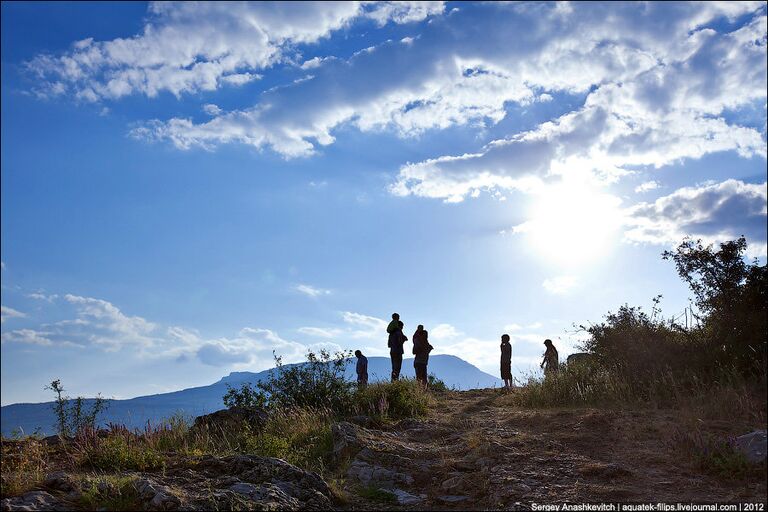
x: 188, y: 187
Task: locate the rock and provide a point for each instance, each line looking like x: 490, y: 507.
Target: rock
x: 59, y: 481
x: 306, y: 487
x: 752, y: 445
x: 453, y: 484
x: 232, y: 419
x: 404, y: 497
x: 156, y: 496
x: 452, y: 499
x: 33, y: 500
x: 369, y: 474
x: 521, y: 488
x: 346, y: 440
x: 268, y: 496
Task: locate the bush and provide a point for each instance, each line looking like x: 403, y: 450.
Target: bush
x: 117, y: 450
x: 300, y: 436
x: 402, y: 398
x: 642, y: 357
x: 435, y: 384
x: 73, y: 416
x: 733, y: 298
x: 246, y: 397
x: 711, y: 454
x: 320, y: 383
x: 110, y: 493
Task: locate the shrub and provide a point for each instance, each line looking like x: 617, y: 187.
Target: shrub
x: 435, y: 384
x: 116, y: 451
x: 73, y: 416
x: 733, y: 298
x: 320, y: 383
x: 246, y: 397
x: 402, y: 398
x: 110, y: 493
x: 710, y: 453
x: 300, y: 436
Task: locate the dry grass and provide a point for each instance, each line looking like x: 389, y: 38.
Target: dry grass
x: 24, y: 464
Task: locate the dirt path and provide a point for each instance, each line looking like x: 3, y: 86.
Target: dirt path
x: 475, y: 451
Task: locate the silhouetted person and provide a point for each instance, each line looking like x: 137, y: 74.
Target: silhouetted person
x: 506, y: 361
x: 362, y: 370
x: 395, y: 344
x: 421, y: 350
x: 551, y: 361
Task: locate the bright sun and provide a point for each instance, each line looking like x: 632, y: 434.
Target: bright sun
x: 573, y: 223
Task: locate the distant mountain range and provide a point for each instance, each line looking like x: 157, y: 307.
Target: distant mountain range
x: 136, y: 412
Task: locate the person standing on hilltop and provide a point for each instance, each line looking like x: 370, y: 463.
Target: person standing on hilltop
x: 393, y: 325
x: 395, y: 344
x: 421, y: 350
x: 551, y: 362
x: 506, y: 361
x: 362, y: 370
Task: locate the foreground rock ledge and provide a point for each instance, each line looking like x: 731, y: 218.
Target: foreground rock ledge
x: 236, y: 482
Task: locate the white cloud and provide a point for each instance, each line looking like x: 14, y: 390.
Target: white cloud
x: 26, y: 336
x: 649, y: 66
x: 186, y: 47
x: 442, y: 332
x: 560, y: 285
x: 311, y: 291
x: 6, y: 313
x: 646, y: 186
x: 321, y: 332
x: 714, y: 212
x: 211, y: 109
x: 253, y: 348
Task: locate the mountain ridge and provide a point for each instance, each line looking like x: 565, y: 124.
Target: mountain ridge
x: 196, y: 401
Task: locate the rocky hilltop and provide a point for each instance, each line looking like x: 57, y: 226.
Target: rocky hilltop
x: 473, y: 450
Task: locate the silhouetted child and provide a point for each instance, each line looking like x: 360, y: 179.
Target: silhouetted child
x: 421, y: 350
x: 395, y: 344
x: 362, y: 370
x: 506, y: 361
x: 551, y: 361
x: 393, y: 325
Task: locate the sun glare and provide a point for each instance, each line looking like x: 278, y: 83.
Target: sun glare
x: 573, y: 224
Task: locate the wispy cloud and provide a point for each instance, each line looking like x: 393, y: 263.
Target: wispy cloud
x: 560, y: 285
x: 6, y: 313
x: 188, y: 47
x: 647, y: 186
x: 311, y: 291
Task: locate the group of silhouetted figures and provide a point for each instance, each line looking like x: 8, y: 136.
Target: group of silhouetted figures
x: 422, y: 348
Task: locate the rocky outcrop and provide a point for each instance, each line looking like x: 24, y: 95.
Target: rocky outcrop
x: 32, y: 501
x: 273, y: 483
x: 753, y: 446
x: 231, y: 420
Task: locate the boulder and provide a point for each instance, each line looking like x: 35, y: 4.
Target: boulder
x: 347, y: 441
x: 155, y: 496
x: 231, y: 420
x: 373, y: 475
x: 307, y: 488
x: 268, y: 496
x: 33, y: 500
x: 752, y: 445
x: 60, y: 481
